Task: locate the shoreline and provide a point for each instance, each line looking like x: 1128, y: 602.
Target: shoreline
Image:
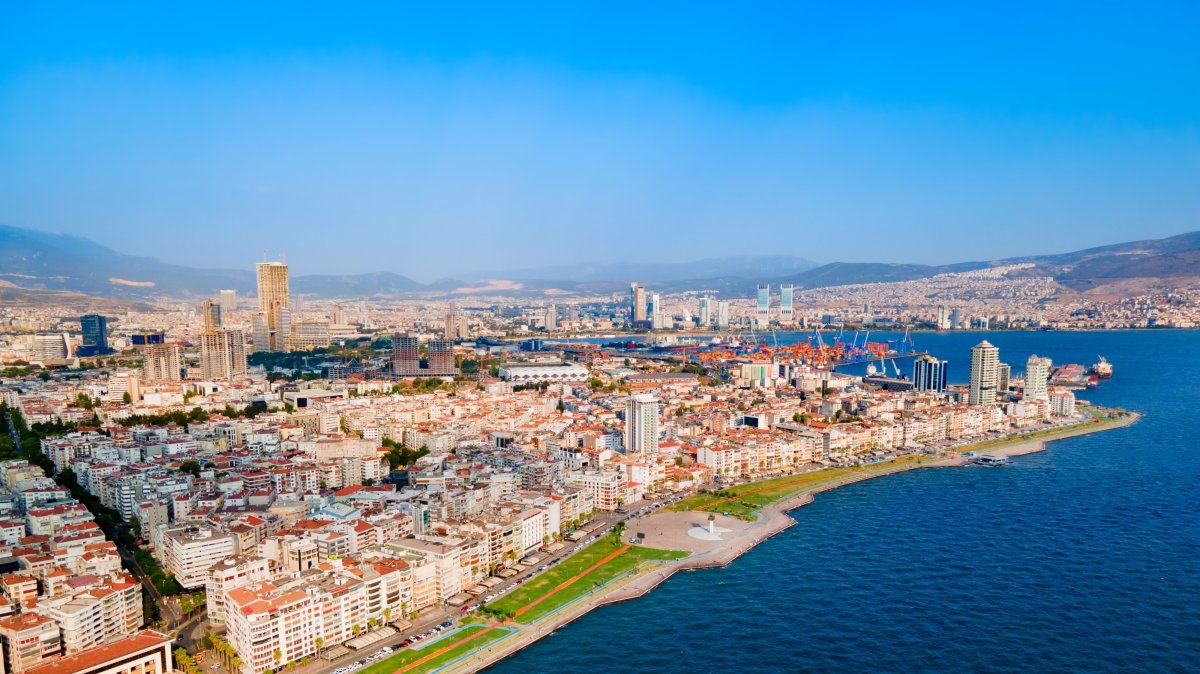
x: 773, y: 520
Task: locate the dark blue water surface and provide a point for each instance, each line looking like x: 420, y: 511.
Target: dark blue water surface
x: 1084, y: 558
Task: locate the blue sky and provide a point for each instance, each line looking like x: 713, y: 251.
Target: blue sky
x: 430, y: 142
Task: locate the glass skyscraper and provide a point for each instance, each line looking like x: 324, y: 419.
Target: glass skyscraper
x: 95, y: 336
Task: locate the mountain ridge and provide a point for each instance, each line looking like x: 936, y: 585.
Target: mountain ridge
x: 40, y: 261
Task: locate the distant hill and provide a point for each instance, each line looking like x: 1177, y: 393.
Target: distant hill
x: 1176, y: 257
x: 40, y: 261
x: 36, y: 261
x: 352, y: 285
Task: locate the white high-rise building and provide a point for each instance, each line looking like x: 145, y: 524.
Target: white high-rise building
x: 228, y: 300
x: 1037, y: 374
x: 705, y: 311
x: 189, y: 551
x: 55, y: 346
x: 985, y: 374
x: 723, y: 313
x: 551, y: 319
x: 641, y: 424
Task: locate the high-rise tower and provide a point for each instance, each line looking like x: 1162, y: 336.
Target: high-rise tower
x: 641, y: 424
x: 786, y: 302
x: 762, y: 314
x: 1037, y: 374
x: 637, y: 303
x: 929, y: 374
x: 985, y: 374
x: 274, y: 306
x: 210, y: 311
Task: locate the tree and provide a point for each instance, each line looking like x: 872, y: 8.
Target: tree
x: 127, y: 399
x: 190, y: 466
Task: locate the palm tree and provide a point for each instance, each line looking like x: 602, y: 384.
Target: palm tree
x: 319, y: 642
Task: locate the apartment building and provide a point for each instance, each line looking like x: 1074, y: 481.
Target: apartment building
x: 188, y: 552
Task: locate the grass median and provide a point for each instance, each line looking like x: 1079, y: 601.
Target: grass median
x: 466, y: 640
x: 546, y: 583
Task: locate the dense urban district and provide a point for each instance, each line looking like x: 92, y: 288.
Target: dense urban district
x: 385, y: 485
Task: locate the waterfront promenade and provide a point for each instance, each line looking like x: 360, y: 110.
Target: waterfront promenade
x: 669, y: 530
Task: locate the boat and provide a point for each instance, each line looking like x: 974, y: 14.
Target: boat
x: 990, y: 460
x: 1103, y: 369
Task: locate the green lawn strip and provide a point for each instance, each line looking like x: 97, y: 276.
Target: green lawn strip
x: 409, y: 654
x: 572, y: 566
x: 749, y: 498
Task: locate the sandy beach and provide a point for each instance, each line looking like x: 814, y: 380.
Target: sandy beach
x: 670, y: 530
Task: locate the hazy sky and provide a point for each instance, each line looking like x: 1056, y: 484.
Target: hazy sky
x: 487, y: 137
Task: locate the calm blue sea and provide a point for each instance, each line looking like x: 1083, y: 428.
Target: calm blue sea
x: 1084, y: 558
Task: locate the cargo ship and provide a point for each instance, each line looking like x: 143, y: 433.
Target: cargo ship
x: 1103, y: 369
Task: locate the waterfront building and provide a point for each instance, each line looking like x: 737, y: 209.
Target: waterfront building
x: 762, y: 313
x: 985, y: 371
x: 95, y: 335
x: 786, y: 302
x: 1037, y: 374
x: 705, y: 312
x: 723, y: 313
x: 550, y: 320
x: 1003, y: 377
x: 641, y: 424
x: 929, y: 374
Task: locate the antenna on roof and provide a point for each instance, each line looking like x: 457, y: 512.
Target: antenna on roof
x: 283, y: 258
x: 264, y: 253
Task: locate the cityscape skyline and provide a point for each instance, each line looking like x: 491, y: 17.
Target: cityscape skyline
x: 402, y: 338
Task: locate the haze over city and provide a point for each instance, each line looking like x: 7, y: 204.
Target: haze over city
x: 496, y: 135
